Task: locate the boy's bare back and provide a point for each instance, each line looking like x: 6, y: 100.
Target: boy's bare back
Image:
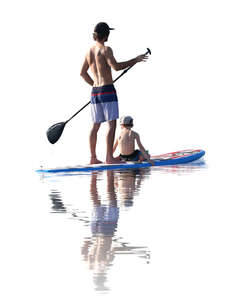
x: 126, y: 141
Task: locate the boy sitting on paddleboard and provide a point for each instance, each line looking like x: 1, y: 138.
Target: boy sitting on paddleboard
x: 126, y: 143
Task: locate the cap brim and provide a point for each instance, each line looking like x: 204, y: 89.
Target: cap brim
x: 111, y: 28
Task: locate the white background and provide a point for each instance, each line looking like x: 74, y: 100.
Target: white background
x: 177, y: 98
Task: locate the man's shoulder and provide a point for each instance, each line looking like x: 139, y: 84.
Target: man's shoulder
x: 90, y: 50
x: 108, y: 50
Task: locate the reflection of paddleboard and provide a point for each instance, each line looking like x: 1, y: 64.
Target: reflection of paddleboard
x: 173, y: 158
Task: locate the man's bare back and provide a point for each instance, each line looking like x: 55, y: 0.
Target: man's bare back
x: 97, y: 61
x: 100, y: 60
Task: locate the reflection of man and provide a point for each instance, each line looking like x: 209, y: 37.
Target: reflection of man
x: 105, y: 216
x: 103, y: 225
x: 99, y: 251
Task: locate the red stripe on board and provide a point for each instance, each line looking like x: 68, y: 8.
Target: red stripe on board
x: 175, y: 154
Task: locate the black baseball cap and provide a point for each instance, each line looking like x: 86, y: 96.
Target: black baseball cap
x: 102, y: 28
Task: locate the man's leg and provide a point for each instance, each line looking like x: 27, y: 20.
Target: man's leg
x: 110, y: 141
x: 93, y: 143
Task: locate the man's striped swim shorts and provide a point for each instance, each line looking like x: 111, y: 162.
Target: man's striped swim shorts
x: 104, y: 104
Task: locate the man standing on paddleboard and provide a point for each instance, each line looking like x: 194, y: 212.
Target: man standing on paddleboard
x: 104, y: 102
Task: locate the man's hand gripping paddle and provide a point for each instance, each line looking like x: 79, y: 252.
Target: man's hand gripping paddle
x: 56, y: 130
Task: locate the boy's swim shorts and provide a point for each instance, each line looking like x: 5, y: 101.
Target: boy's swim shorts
x: 131, y: 157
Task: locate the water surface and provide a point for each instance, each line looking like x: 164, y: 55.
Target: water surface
x: 111, y: 211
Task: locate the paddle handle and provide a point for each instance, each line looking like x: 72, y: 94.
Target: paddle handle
x: 125, y: 71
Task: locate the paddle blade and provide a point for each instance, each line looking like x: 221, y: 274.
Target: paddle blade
x: 55, y: 131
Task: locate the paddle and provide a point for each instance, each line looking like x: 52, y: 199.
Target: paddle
x: 56, y: 130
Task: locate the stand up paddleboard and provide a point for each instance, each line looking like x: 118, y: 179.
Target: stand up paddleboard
x: 173, y: 158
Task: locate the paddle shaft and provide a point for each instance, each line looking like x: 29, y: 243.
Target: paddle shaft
x: 125, y: 71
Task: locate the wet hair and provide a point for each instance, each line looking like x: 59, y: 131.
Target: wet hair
x: 100, y: 36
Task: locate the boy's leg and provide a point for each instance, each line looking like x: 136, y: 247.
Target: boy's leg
x: 110, y: 141
x: 93, y: 143
x: 141, y: 158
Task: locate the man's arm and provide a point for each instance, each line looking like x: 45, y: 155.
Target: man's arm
x: 85, y: 74
x: 122, y: 65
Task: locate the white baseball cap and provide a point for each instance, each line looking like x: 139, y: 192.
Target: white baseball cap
x: 126, y: 120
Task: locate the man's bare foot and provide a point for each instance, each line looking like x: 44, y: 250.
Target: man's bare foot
x: 113, y: 160
x: 94, y: 161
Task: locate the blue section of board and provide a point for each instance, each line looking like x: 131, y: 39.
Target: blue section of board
x: 157, y: 162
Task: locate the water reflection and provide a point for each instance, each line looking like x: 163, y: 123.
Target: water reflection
x: 100, y: 250
x: 97, y: 250
x: 57, y: 203
x: 111, y: 194
x: 129, y: 184
x: 103, y: 245
x: 182, y: 169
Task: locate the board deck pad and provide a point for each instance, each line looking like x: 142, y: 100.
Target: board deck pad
x: 172, y: 158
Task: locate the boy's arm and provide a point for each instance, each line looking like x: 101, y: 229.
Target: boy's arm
x: 142, y: 149
x: 122, y: 65
x: 115, y: 146
x: 85, y: 74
